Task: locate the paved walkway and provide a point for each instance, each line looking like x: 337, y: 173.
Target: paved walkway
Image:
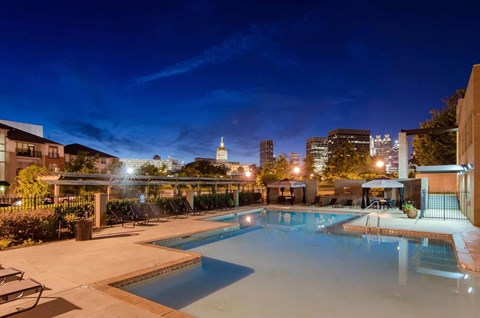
x: 79, y: 275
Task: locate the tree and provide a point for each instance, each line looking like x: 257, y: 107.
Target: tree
x: 346, y: 163
x: 277, y: 170
x: 28, y: 183
x: 309, y: 171
x: 202, y: 168
x: 438, y: 149
x: 82, y: 163
x: 150, y: 170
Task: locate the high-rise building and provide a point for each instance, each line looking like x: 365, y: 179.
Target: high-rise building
x: 359, y: 138
x: 317, y: 148
x: 222, y: 155
x: 266, y: 152
x: 383, y: 149
x: 294, y: 158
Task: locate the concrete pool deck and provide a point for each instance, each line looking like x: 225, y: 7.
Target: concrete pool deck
x: 79, y: 275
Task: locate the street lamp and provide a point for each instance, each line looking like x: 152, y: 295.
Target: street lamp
x: 380, y: 164
x: 296, y: 170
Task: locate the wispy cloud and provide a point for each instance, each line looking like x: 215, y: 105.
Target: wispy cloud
x: 238, y: 44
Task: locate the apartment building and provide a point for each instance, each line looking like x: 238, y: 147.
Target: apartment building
x: 20, y: 149
x: 103, y: 163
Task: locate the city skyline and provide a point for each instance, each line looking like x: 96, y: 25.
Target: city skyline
x: 170, y: 79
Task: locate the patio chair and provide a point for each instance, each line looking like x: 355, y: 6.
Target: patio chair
x: 9, y: 274
x: 391, y: 203
x: 156, y: 211
x: 19, y: 289
x: 281, y: 199
x: 120, y: 217
x: 138, y: 215
x: 176, y: 209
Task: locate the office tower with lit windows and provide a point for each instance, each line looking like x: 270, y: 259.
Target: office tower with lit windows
x: 294, y: 158
x: 359, y: 138
x: 266, y: 152
x: 317, y: 148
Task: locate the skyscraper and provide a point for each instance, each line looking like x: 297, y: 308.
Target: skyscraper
x: 317, y: 148
x: 222, y: 155
x: 266, y: 152
x: 359, y: 138
x: 294, y: 158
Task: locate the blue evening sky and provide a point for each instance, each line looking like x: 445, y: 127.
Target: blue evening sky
x: 139, y: 78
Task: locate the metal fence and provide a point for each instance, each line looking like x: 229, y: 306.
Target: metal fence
x: 37, y: 202
x: 443, y: 205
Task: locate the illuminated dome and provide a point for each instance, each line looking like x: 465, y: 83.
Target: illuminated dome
x: 222, y: 154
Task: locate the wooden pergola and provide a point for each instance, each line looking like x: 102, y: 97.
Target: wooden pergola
x: 58, y: 179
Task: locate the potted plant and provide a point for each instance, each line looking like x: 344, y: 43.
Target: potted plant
x: 410, y: 210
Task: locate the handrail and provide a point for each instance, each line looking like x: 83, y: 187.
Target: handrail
x: 368, y: 220
x: 373, y: 203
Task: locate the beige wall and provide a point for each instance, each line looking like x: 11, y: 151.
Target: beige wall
x: 440, y: 182
x: 468, y: 144
x: 349, y: 189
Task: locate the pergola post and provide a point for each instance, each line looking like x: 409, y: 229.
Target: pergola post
x: 402, y: 155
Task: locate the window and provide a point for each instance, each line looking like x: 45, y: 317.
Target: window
x: 53, y: 152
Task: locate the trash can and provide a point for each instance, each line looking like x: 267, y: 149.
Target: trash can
x: 83, y: 230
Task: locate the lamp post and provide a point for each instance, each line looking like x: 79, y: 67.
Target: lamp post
x: 380, y: 164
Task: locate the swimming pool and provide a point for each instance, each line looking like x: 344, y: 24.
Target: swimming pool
x: 304, y: 267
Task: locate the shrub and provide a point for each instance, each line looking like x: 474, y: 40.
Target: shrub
x: 5, y: 243
x: 36, y: 225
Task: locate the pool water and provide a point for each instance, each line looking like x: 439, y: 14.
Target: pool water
x: 306, y: 266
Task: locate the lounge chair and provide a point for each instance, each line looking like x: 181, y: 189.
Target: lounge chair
x: 154, y: 210
x: 6, y: 274
x: 316, y: 201
x: 333, y: 203
x: 18, y: 289
x: 176, y: 209
x: 349, y: 203
x: 188, y: 208
x: 138, y: 215
x: 120, y: 217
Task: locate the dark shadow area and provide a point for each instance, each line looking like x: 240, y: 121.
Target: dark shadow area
x: 182, y: 288
x: 51, y: 308
x: 106, y: 236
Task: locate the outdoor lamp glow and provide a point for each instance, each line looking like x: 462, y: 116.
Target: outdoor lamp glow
x: 248, y: 174
x: 296, y: 170
x: 379, y: 164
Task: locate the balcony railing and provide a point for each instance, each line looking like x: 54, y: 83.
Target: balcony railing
x: 28, y: 153
x: 53, y: 155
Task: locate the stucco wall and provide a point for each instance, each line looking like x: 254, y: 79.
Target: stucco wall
x: 468, y: 145
x: 440, y: 182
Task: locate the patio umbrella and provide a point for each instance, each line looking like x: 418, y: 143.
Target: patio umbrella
x: 380, y: 183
